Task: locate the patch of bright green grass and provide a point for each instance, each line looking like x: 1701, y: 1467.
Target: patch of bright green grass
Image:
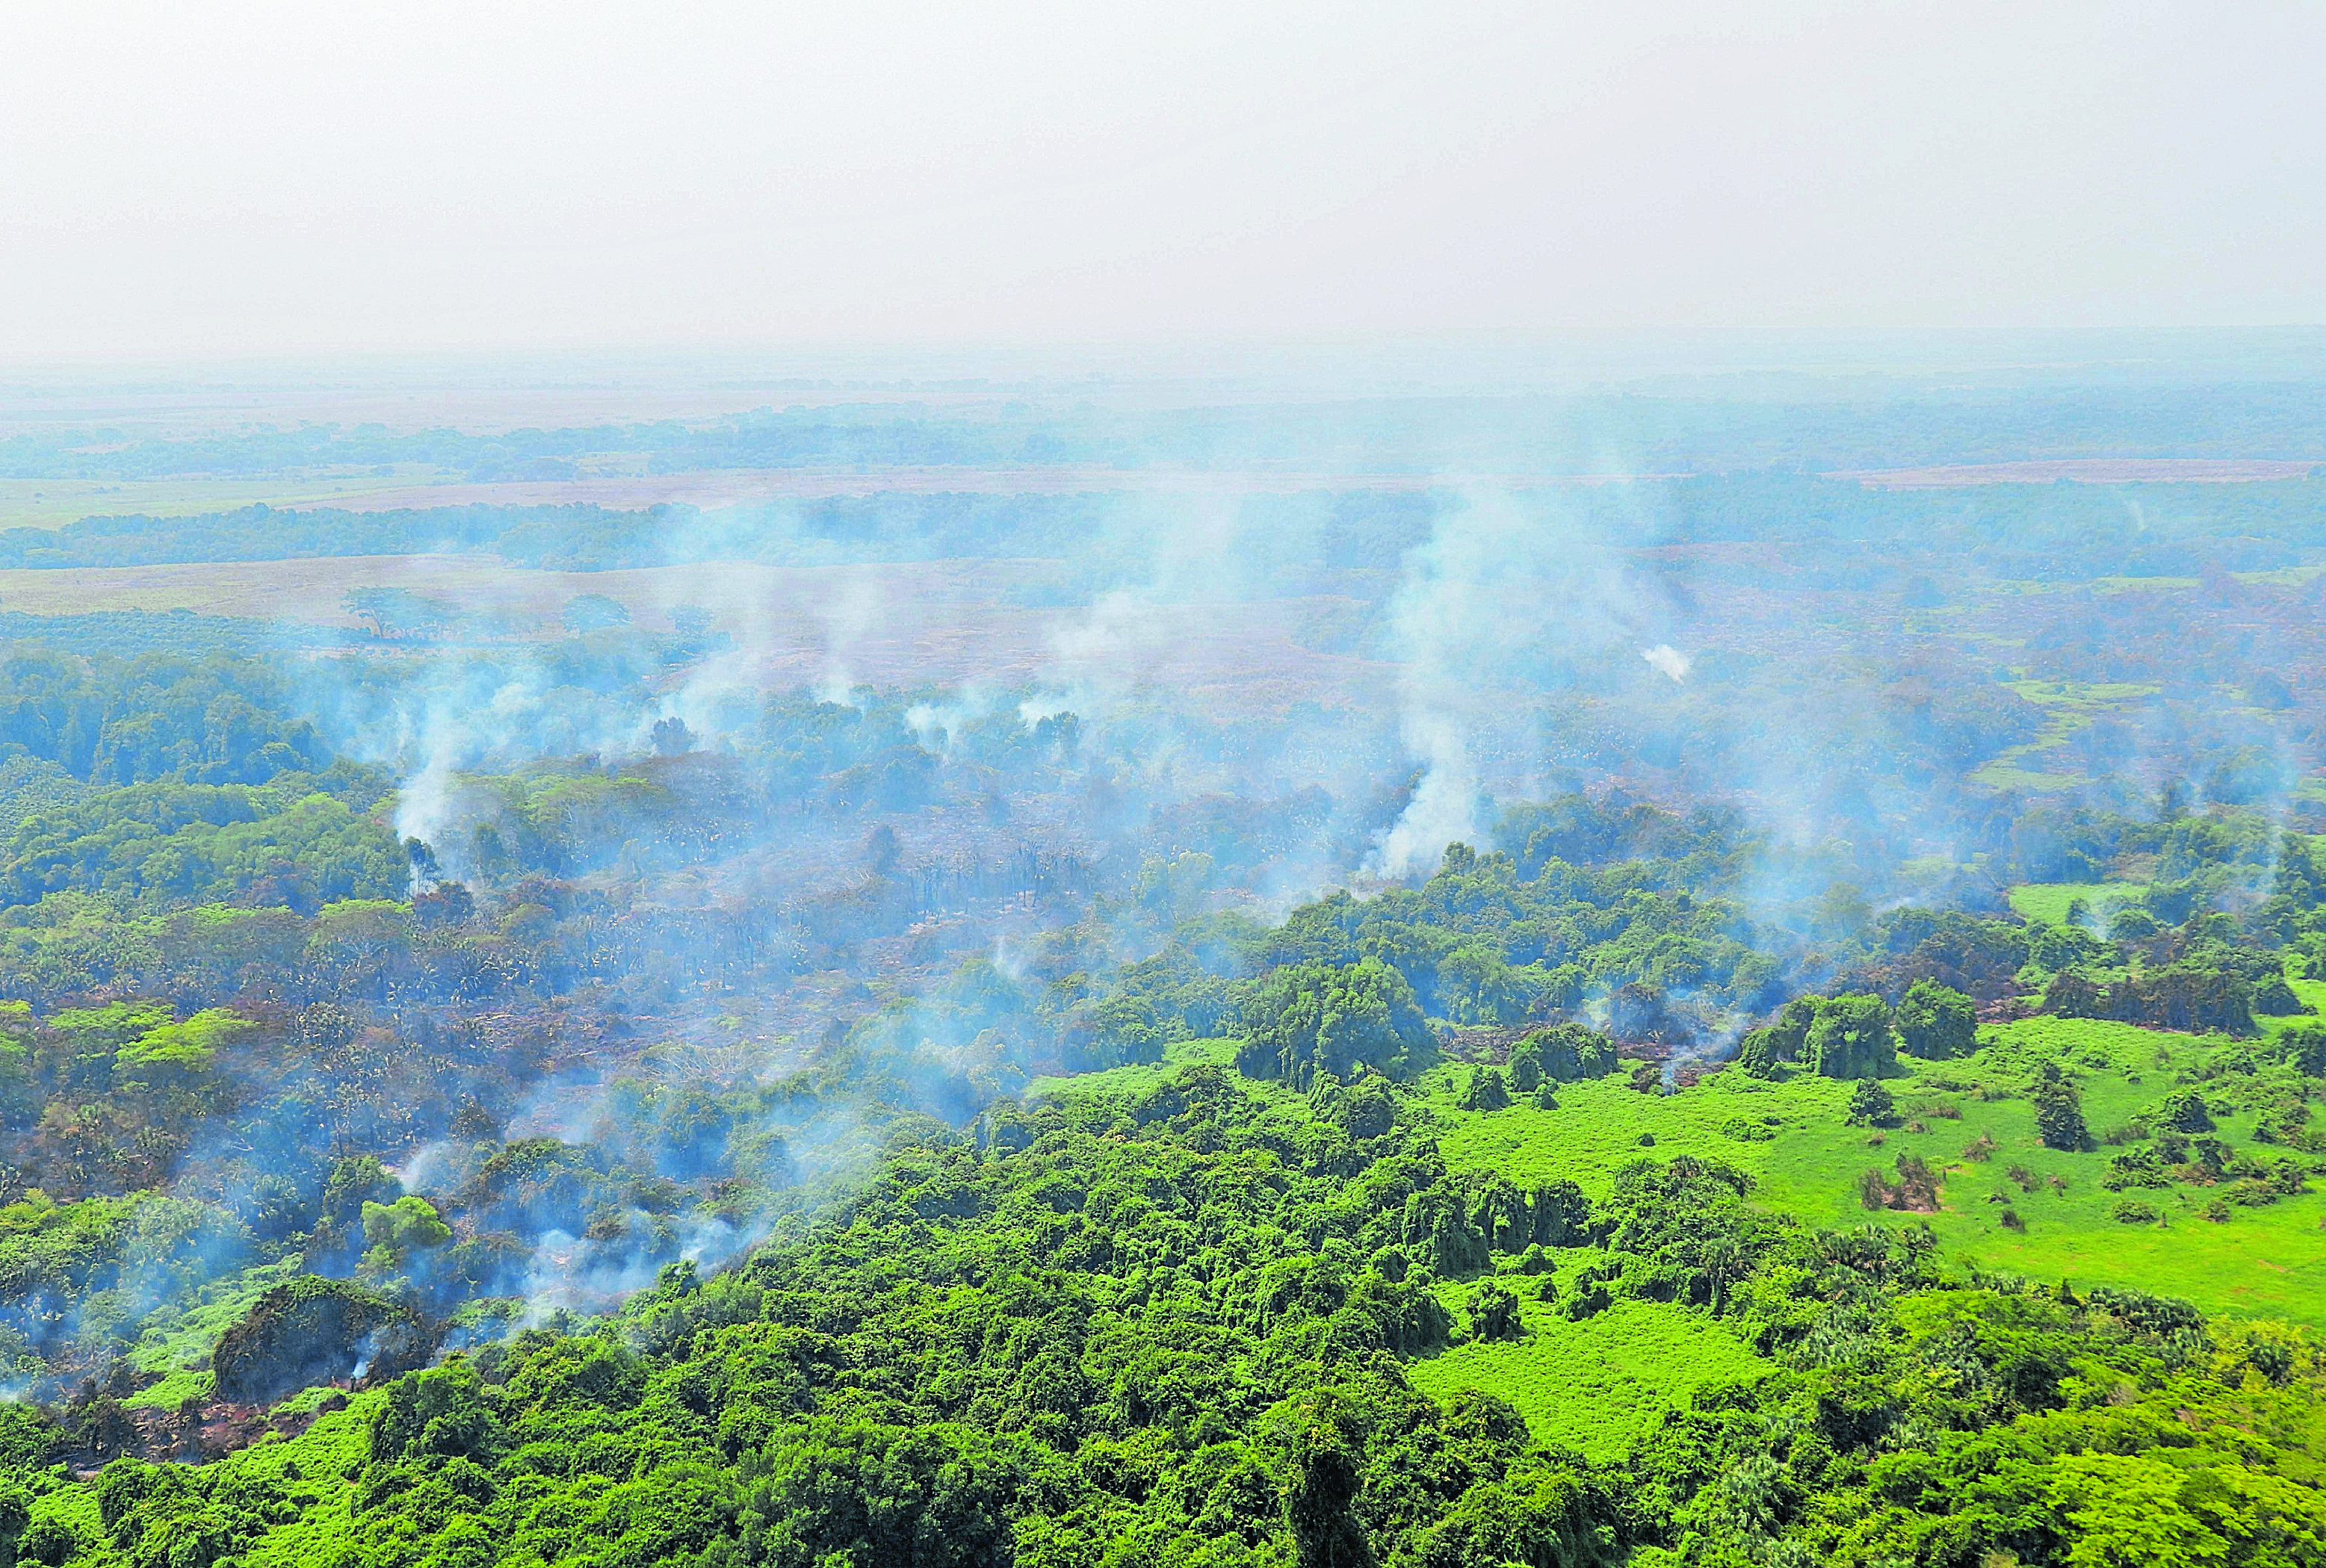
x: 2139, y: 584
x: 2048, y: 901
x: 2070, y: 705
x: 1600, y: 1385
x: 2283, y: 577
x: 2268, y: 1261
x: 1139, y: 1078
x: 1997, y: 776
x: 1598, y: 1126
x: 2082, y: 694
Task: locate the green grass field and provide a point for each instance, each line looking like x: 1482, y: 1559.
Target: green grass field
x: 2048, y: 901
x: 1140, y: 1079
x: 2268, y: 1261
x: 2068, y: 705
x: 1600, y: 1385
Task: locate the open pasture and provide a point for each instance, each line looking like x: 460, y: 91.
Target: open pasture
x: 2048, y: 901
x: 1600, y: 1385
x: 1793, y: 1138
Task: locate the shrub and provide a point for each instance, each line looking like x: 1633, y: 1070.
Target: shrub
x: 1870, y: 1105
x: 2185, y: 1111
x: 1487, y: 1090
x: 1493, y: 1311
x: 1756, y: 1054
x: 2274, y: 998
x: 315, y: 1331
x: 49, y: 1542
x: 2133, y: 1212
x: 2059, y: 1112
x: 2252, y: 1193
x: 2305, y: 1049
x: 1916, y: 1190
x: 2071, y: 996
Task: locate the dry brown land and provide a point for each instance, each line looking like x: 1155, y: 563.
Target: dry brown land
x: 899, y: 623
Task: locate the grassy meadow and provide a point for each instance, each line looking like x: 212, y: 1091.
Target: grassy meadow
x: 1793, y: 1138
x: 1599, y: 1385
x: 2048, y: 901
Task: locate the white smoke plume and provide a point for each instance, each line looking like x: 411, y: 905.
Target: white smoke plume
x: 1502, y: 600
x: 1668, y: 659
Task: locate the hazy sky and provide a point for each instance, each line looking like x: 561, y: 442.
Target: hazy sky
x: 230, y: 179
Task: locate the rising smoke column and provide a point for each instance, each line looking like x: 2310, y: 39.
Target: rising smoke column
x: 1499, y: 595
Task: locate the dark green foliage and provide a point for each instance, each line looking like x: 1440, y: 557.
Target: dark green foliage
x: 315, y: 1331
x: 1487, y: 1089
x: 49, y: 1542
x: 1366, y: 1108
x: 173, y: 843
x: 1539, y: 1515
x: 1493, y: 1311
x: 1303, y: 1019
x: 2184, y: 1110
x: 2059, y: 1111
x: 2069, y: 995
x: 1756, y: 1053
x: 1935, y: 1022
x: 2274, y: 998
x: 15, y: 1513
x: 1326, y: 1476
x: 211, y: 721
x: 1788, y: 1032
x: 1851, y: 1038
x: 1870, y: 1104
x: 26, y: 1435
x: 1564, y: 1053
x: 2305, y: 1049
x: 2184, y: 996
